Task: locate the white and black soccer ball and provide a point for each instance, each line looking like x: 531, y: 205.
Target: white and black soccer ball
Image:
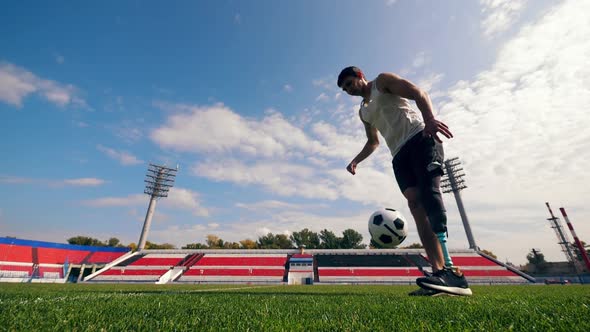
x: 388, y: 228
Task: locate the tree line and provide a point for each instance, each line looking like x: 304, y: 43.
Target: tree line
x: 537, y: 259
x: 325, y: 239
x: 115, y: 242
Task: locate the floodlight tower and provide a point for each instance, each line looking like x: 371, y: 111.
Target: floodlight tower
x: 454, y: 182
x: 159, y: 180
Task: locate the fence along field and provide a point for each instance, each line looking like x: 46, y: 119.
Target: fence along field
x: 99, y: 307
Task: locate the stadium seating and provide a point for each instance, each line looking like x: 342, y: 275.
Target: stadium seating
x: 281, y: 266
x: 479, y: 269
x: 10, y: 252
x: 369, y: 268
x: 141, y: 267
x: 236, y: 268
x: 34, y: 261
x: 403, y: 268
x: 195, y: 268
x: 26, y: 260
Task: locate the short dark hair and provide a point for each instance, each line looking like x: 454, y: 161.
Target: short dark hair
x: 349, y: 71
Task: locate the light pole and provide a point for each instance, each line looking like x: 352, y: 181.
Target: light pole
x: 159, y: 180
x: 454, y: 182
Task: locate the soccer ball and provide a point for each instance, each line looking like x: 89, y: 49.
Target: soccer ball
x: 388, y: 228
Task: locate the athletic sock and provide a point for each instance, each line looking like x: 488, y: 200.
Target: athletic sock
x: 442, y: 238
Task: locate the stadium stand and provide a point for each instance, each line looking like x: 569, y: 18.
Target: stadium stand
x: 140, y: 267
x: 39, y: 261
x: 401, y: 267
x: 161, y: 267
x: 405, y: 266
x: 237, y: 268
x: 363, y: 266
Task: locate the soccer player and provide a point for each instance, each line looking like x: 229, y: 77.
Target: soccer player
x: 412, y: 138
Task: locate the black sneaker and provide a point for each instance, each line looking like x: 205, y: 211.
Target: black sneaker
x: 426, y: 273
x: 446, y: 280
x: 428, y: 292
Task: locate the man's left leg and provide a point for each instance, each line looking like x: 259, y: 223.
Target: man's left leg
x: 449, y: 279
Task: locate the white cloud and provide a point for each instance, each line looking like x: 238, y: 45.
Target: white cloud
x: 84, y: 182
x: 186, y: 199
x: 268, y: 205
x: 322, y: 97
x: 390, y: 3
x: 297, y: 163
x: 520, y: 127
x: 13, y: 87
x: 430, y: 81
x: 15, y: 180
x: 315, y: 161
x: 338, y: 144
x: 422, y: 59
x: 181, y: 235
x: 79, y: 182
x: 287, y: 88
x: 178, y: 199
x: 500, y: 15
x: 17, y: 83
x: 125, y: 158
x: 328, y: 84
x: 130, y: 200
x: 531, y: 100
x: 371, y: 185
x: 198, y: 129
x: 285, y: 179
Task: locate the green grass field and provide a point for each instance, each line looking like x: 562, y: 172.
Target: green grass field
x: 81, y: 307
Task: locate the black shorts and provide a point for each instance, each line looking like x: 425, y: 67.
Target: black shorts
x: 418, y: 161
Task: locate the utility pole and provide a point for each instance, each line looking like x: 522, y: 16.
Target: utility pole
x: 159, y: 180
x: 454, y: 182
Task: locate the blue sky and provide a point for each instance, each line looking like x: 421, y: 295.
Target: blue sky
x: 242, y: 96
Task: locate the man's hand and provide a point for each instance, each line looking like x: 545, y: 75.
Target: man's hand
x: 433, y: 126
x: 352, y: 167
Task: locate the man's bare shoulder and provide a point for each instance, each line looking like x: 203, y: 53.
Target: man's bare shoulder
x: 384, y: 80
x: 387, y: 75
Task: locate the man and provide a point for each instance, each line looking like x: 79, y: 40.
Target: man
x: 417, y: 154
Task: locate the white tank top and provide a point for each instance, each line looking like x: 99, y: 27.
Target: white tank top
x: 393, y: 117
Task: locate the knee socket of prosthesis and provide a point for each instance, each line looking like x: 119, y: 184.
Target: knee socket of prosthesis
x: 438, y: 222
